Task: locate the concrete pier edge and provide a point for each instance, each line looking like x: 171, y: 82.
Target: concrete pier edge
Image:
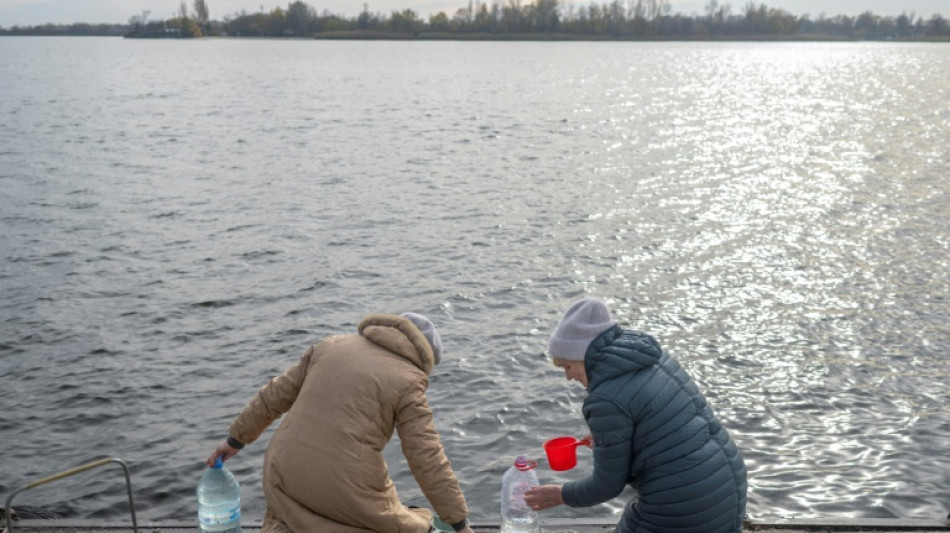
x: 553, y: 525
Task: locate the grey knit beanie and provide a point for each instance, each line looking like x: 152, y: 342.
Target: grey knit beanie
x: 428, y: 329
x: 581, y: 324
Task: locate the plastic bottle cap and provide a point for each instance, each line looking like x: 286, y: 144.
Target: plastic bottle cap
x: 218, y: 463
x: 522, y: 463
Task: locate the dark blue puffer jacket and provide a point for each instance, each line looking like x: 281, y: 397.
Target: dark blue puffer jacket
x: 653, y: 430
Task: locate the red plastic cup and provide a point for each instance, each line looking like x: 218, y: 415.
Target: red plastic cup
x: 562, y: 452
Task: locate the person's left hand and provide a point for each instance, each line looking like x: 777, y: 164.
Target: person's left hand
x: 543, y: 497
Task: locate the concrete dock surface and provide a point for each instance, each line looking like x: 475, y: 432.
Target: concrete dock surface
x: 566, y: 525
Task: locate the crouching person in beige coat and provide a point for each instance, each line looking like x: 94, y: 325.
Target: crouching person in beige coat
x: 324, y: 470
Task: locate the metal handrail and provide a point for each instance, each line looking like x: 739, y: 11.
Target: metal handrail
x: 72, y: 472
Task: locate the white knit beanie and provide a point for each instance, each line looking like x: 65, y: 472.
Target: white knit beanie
x: 431, y: 334
x: 581, y: 324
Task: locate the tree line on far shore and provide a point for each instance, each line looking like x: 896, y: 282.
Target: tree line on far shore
x: 543, y: 19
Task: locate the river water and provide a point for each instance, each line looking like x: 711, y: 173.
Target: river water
x: 181, y: 219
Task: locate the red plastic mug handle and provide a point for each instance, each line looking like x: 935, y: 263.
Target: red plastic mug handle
x: 586, y: 441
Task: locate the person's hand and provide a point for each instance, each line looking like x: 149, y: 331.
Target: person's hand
x: 588, y: 440
x: 543, y: 497
x: 224, y: 451
x: 468, y: 529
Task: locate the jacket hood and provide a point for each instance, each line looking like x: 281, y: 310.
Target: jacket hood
x: 619, y: 351
x: 400, y: 336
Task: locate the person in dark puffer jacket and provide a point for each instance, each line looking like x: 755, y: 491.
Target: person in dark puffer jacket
x: 651, y: 429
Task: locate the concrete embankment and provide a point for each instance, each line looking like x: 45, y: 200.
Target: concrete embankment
x: 547, y: 526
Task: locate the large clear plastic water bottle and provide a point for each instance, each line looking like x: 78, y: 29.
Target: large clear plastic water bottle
x: 516, y: 516
x: 219, y: 500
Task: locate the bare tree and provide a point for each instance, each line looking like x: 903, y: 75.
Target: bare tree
x: 300, y: 17
x: 201, y: 11
x: 139, y: 22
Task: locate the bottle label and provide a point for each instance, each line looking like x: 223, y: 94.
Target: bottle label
x: 219, y: 516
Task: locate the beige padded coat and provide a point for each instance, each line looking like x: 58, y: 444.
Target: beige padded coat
x: 324, y: 470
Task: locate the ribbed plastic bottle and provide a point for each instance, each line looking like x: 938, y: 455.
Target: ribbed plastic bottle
x: 219, y: 500
x: 516, y: 516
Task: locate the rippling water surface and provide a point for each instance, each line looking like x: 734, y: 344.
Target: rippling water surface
x: 181, y: 219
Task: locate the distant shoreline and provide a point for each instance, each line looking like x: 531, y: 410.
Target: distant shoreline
x: 540, y: 20
x: 435, y: 36
x: 540, y: 37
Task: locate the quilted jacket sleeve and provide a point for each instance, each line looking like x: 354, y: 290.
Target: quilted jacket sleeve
x: 271, y: 401
x: 427, y: 460
x: 612, y: 430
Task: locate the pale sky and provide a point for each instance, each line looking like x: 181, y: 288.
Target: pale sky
x: 34, y: 12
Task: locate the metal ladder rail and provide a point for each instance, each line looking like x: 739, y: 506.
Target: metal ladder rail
x: 68, y: 473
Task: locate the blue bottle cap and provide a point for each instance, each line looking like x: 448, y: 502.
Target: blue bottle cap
x: 218, y: 463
